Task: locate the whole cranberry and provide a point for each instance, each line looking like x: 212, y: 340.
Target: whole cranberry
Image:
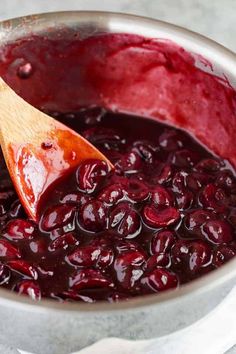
x: 184, y: 158
x: 217, y: 231
x: 226, y: 179
x: 57, y: 216
x: 209, y: 165
x: 158, y: 260
x: 137, y: 191
x: 89, y: 279
x: 30, y: 288
x: 19, y: 229
x: 162, y: 196
x: 223, y: 254
x: 196, y: 180
x: 214, y: 198
x: 112, y: 194
x: 163, y: 174
x: 179, y: 182
x: 129, y: 268
x: 63, y: 242
x: 145, y: 150
x: 162, y: 242
x: 85, y: 256
x: 123, y: 245
x: 91, y: 174
x: 185, y: 199
x: 125, y: 221
x: 190, y: 256
x: 93, y: 216
x: 129, y: 163
x: 195, y: 220
x: 156, y: 218
x: 72, y: 197
x: 160, y: 280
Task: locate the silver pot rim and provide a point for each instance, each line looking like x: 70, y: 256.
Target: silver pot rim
x: 112, y: 22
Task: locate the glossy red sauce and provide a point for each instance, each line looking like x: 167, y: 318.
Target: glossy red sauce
x: 166, y: 215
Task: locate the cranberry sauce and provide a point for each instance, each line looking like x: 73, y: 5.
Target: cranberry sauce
x: 165, y: 216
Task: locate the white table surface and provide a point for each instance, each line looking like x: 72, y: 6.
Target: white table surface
x: 213, y: 18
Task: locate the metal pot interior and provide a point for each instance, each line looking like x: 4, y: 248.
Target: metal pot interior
x: 127, y: 64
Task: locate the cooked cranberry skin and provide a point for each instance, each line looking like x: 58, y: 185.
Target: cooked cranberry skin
x: 145, y: 150
x: 63, y: 242
x: 84, y: 256
x: 223, y: 254
x: 157, y: 218
x: 129, y: 268
x: 161, y: 196
x: 5, y: 274
x: 163, y: 175
x: 162, y: 242
x: 90, y: 174
x: 195, y: 220
x: 226, y: 179
x: 24, y: 268
x: 129, y: 163
x: 93, y: 216
x: 184, y: 158
x: 185, y: 199
x: 217, y: 231
x: 112, y: 194
x: 137, y: 191
x: 57, y: 216
x: 214, y: 198
x: 19, y: 229
x: 30, y: 288
x: 189, y: 257
x: 38, y: 246
x: 74, y: 197
x: 196, y: 180
x: 125, y: 221
x: 8, y: 251
x: 124, y: 245
x: 208, y: 165
x: 158, y: 260
x: 89, y: 278
x: 160, y: 280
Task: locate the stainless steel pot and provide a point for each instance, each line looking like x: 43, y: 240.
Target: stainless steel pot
x: 49, y: 327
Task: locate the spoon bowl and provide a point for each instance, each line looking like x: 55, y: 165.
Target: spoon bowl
x: 38, y: 150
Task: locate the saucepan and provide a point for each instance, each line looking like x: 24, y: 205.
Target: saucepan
x: 51, y: 327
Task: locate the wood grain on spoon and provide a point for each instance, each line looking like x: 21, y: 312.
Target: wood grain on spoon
x: 37, y: 149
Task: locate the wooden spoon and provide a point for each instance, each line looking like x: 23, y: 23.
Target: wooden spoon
x: 37, y: 149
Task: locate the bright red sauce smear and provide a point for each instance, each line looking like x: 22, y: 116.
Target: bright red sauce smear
x: 166, y: 214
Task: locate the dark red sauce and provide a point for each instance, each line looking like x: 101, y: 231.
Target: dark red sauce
x: 166, y: 215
